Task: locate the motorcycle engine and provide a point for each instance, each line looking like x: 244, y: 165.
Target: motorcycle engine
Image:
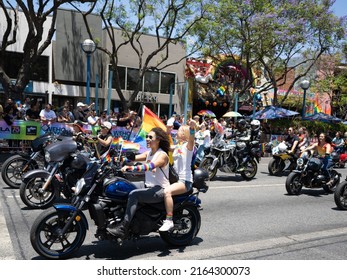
x: 318, y: 181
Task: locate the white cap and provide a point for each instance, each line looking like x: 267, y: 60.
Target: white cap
x: 81, y: 104
x: 108, y: 125
x: 170, y: 122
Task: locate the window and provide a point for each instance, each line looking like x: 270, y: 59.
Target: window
x: 166, y: 80
x: 151, y: 81
x: 39, y: 71
x: 121, y: 73
x: 132, y: 78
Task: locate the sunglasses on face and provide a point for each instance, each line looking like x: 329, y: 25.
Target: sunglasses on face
x: 149, y: 137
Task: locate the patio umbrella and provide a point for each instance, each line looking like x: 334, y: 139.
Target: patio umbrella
x: 323, y: 118
x: 273, y: 112
x: 232, y: 114
x: 207, y: 113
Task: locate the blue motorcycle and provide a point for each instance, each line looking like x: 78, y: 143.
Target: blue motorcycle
x: 60, y: 231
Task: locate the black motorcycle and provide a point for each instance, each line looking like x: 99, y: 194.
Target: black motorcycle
x: 226, y: 157
x: 340, y: 195
x: 59, y: 232
x: 65, y: 165
x: 16, y: 166
x: 309, y: 174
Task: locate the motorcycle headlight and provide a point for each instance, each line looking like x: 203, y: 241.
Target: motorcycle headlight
x: 47, y: 157
x: 79, y: 186
x: 300, y: 162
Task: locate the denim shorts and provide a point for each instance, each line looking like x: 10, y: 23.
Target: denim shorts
x: 189, y: 185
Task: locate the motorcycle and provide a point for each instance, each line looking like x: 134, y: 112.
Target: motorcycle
x: 16, y: 166
x: 65, y: 165
x: 225, y: 156
x: 309, y: 174
x: 60, y: 231
x: 340, y: 195
x: 281, y: 160
x: 339, y: 160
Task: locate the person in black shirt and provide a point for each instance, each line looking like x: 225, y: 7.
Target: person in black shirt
x: 33, y: 113
x: 292, y: 141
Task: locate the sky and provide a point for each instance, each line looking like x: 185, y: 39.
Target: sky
x: 340, y: 8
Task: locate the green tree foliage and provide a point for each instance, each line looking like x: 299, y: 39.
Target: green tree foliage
x: 274, y: 35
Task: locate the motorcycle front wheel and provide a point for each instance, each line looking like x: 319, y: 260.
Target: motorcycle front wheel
x: 340, y: 196
x: 14, y: 168
x: 250, y: 171
x: 45, y: 239
x: 33, y: 196
x: 187, y: 222
x: 276, y: 166
x: 206, y: 164
x: 293, y: 184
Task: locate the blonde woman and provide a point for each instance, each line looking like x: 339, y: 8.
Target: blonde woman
x: 182, y: 156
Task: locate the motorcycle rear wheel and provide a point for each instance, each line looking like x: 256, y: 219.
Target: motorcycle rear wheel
x: 293, y: 184
x: 187, y: 222
x: 251, y: 169
x: 276, y: 166
x: 44, y: 235
x: 206, y: 164
x: 12, y: 170
x: 340, y: 196
x: 34, y: 197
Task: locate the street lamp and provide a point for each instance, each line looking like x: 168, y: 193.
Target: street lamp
x: 88, y: 46
x: 305, y: 84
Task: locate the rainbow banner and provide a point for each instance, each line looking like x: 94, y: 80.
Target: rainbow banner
x: 149, y: 120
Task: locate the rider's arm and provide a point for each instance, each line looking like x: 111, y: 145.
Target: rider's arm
x: 191, y: 139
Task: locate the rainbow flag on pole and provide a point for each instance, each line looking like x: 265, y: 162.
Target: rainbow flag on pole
x: 149, y: 120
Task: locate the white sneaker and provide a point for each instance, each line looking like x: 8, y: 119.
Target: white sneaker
x: 167, y: 225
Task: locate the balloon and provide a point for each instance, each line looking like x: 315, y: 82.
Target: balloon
x: 215, y: 104
x: 225, y: 104
x: 206, y: 102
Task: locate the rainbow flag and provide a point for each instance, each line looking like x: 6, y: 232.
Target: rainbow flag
x: 149, y: 120
x: 316, y: 106
x: 126, y: 145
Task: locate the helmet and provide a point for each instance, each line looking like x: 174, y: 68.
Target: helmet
x: 255, y: 125
x: 241, y: 123
x: 200, y: 176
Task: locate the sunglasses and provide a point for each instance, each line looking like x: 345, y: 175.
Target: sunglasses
x: 149, y: 137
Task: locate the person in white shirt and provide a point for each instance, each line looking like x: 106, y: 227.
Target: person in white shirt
x: 182, y: 157
x: 47, y: 115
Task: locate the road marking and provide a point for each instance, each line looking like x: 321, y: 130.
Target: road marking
x: 6, y: 248
x: 253, y: 246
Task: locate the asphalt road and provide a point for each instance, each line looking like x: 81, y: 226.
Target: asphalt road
x: 241, y: 220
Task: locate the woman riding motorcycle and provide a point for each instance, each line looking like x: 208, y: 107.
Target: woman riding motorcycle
x: 323, y: 149
x: 152, y: 190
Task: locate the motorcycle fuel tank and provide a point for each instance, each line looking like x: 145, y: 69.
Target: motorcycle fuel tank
x: 61, y: 150
x: 118, y: 188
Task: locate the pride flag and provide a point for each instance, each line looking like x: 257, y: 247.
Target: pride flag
x: 149, y: 120
x: 126, y: 145
x: 317, y: 108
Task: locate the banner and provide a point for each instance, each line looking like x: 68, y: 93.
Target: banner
x: 29, y: 130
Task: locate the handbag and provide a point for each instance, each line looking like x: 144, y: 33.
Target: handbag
x: 173, y: 176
